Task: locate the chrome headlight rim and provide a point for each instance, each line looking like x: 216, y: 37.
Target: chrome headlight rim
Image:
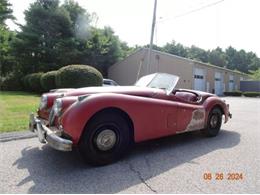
x: 57, y: 107
x: 43, y: 102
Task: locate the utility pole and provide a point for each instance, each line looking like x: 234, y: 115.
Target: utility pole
x: 151, y: 40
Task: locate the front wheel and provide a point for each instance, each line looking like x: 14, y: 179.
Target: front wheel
x: 105, y: 139
x: 214, y: 123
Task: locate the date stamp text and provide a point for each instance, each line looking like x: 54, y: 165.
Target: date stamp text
x: 208, y: 176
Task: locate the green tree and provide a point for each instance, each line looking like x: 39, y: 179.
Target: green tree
x: 254, y: 61
x: 176, y: 49
x: 126, y: 50
x: 197, y: 53
x: 6, y: 36
x: 5, y: 11
x: 41, y: 44
x: 217, y: 57
x: 102, y: 49
x: 80, y: 19
x: 231, y: 57
x: 7, y: 60
x: 56, y: 35
x: 255, y: 74
x: 242, y: 60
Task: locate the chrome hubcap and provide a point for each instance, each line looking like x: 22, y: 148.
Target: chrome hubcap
x: 214, y: 121
x: 106, y: 139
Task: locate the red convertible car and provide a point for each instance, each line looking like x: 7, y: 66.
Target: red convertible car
x: 103, y: 122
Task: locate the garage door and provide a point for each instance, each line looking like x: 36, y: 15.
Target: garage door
x: 218, y: 83
x: 199, y: 79
x: 231, y: 83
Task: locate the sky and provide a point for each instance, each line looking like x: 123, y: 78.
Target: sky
x: 204, y: 23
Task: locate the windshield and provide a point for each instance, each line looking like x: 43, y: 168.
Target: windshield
x: 159, y: 80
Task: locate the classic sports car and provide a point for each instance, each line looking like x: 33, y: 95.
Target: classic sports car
x: 109, y: 82
x: 103, y: 122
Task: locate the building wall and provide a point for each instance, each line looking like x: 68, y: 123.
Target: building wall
x: 125, y: 72
x: 226, y: 81
x: 177, y: 66
x: 210, y: 77
x: 133, y: 67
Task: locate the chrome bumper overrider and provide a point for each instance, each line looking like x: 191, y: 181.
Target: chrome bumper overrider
x: 49, y: 136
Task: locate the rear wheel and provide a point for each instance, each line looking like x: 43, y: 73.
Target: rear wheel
x: 105, y: 139
x: 214, y: 123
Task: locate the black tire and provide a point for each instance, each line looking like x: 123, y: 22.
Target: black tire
x: 110, y: 124
x: 214, y: 123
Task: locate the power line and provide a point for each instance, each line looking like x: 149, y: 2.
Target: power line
x: 192, y: 11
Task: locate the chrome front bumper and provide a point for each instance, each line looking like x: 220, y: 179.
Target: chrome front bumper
x: 49, y: 136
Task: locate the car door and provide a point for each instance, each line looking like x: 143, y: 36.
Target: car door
x: 190, y: 117
x: 154, y: 117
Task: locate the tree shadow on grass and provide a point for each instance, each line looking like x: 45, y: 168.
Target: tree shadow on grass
x: 58, y: 172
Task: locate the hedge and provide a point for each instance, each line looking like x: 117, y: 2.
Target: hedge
x: 34, y: 81
x: 48, y: 80
x: 251, y: 94
x: 11, y: 82
x: 25, y: 82
x: 1, y: 82
x: 75, y: 76
x: 233, y: 93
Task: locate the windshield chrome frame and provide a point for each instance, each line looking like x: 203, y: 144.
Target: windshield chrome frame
x: 168, y: 91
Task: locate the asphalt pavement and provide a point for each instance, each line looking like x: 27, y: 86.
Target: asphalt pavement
x: 187, y: 163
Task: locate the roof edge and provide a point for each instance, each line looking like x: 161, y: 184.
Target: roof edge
x: 120, y: 61
x: 195, y: 61
x: 179, y: 57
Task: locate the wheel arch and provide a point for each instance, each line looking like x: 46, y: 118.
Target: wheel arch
x: 213, y: 107
x: 110, y: 110
x: 219, y: 107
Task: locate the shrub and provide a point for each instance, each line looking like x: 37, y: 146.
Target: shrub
x: 1, y: 82
x: 251, y: 94
x: 76, y: 76
x: 34, y: 81
x: 11, y: 82
x: 48, y: 80
x: 25, y: 82
x: 233, y: 93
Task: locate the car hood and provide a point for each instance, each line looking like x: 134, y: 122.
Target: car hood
x: 129, y: 90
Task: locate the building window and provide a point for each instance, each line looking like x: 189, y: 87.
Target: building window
x: 198, y: 76
x: 217, y: 79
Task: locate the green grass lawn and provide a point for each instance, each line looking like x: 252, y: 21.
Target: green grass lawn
x: 15, y: 108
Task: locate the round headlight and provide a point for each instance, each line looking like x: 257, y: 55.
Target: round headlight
x: 57, y: 107
x: 44, y: 101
